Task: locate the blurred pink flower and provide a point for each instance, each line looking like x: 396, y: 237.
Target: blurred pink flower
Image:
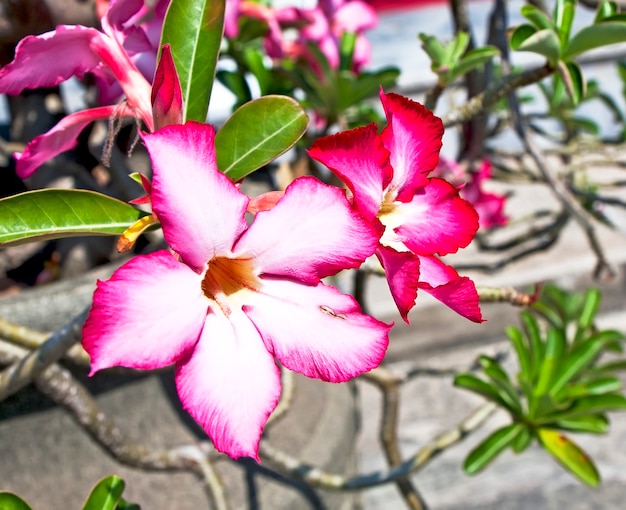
x: 489, y: 205
x: 233, y: 297
x: 106, y: 54
x: 422, y: 217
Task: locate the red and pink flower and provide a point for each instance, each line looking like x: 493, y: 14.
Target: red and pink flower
x: 423, y: 217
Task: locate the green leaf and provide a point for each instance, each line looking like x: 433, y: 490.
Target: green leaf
x: 106, y: 494
x: 591, y: 424
x: 472, y: 60
x: 501, y: 382
x: 537, y: 17
x: 523, y: 353
x: 574, y: 80
x: 456, y: 48
x: 563, y: 19
x: 10, y: 501
x: 475, y: 384
x: 522, y: 440
x: 257, y: 133
x: 605, y: 10
x: 555, y: 347
x: 570, y: 456
x: 353, y: 89
x: 601, y: 34
x: 580, y: 357
x: 56, y: 213
x: 588, y: 312
x: 193, y: 28
x: 586, y: 406
x: 544, y: 42
x: 434, y: 49
x: 531, y: 328
x: 489, y: 449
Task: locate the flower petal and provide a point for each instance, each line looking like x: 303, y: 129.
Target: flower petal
x: 146, y: 316
x: 354, y: 17
x: 402, y: 270
x: 230, y: 384
x: 312, y: 232
x: 37, y: 63
x: 359, y: 159
x: 62, y: 137
x: 444, y: 283
x: 437, y: 220
x: 413, y: 137
x: 317, y: 331
x: 201, y: 211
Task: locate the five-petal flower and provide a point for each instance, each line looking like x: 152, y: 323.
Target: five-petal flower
x: 233, y: 297
x: 423, y: 217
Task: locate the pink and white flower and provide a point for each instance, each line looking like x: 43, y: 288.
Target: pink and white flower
x: 423, y: 217
x: 232, y: 297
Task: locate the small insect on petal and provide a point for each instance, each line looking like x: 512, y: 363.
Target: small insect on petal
x: 329, y: 311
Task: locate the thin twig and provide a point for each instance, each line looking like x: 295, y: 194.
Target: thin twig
x: 332, y: 481
x: 22, y: 372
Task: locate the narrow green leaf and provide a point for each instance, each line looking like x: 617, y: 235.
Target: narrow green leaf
x: 522, y: 440
x: 520, y: 34
x: 544, y: 42
x: 502, y: 383
x: 257, y: 133
x: 434, y: 49
x: 489, y: 449
x: 472, y: 60
x: 456, y: 48
x: 601, y: 34
x: 475, y: 384
x: 353, y: 89
x: 194, y: 29
x: 585, y: 406
x: 523, y: 353
x: 589, y: 309
x: 106, y: 494
x: 590, y: 424
x: 574, y: 80
x: 10, y: 501
x: 555, y: 347
x: 563, y: 19
x: 605, y: 10
x: 570, y: 456
x: 537, y: 17
x: 531, y: 328
x: 56, y: 213
x: 581, y: 357
x: 596, y: 386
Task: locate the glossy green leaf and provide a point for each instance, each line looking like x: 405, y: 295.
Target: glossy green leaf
x: 522, y: 440
x: 590, y: 307
x: 472, y: 60
x: 596, y: 386
x: 194, y: 28
x: 595, y: 36
x: 501, y: 382
x: 106, y: 494
x: 573, y: 79
x: 257, y: 133
x: 10, y: 501
x: 544, y: 42
x: 590, y: 424
x: 570, y: 456
x: 531, y: 328
x: 580, y: 357
x: 352, y: 89
x: 522, y: 351
x: 477, y: 385
x: 563, y: 19
x: 56, y: 213
x: 434, y: 49
x: 489, y: 449
x: 605, y: 10
x: 555, y: 347
x: 586, y: 406
x: 456, y: 48
x: 537, y: 17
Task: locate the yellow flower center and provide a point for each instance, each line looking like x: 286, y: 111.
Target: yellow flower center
x: 226, y: 278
